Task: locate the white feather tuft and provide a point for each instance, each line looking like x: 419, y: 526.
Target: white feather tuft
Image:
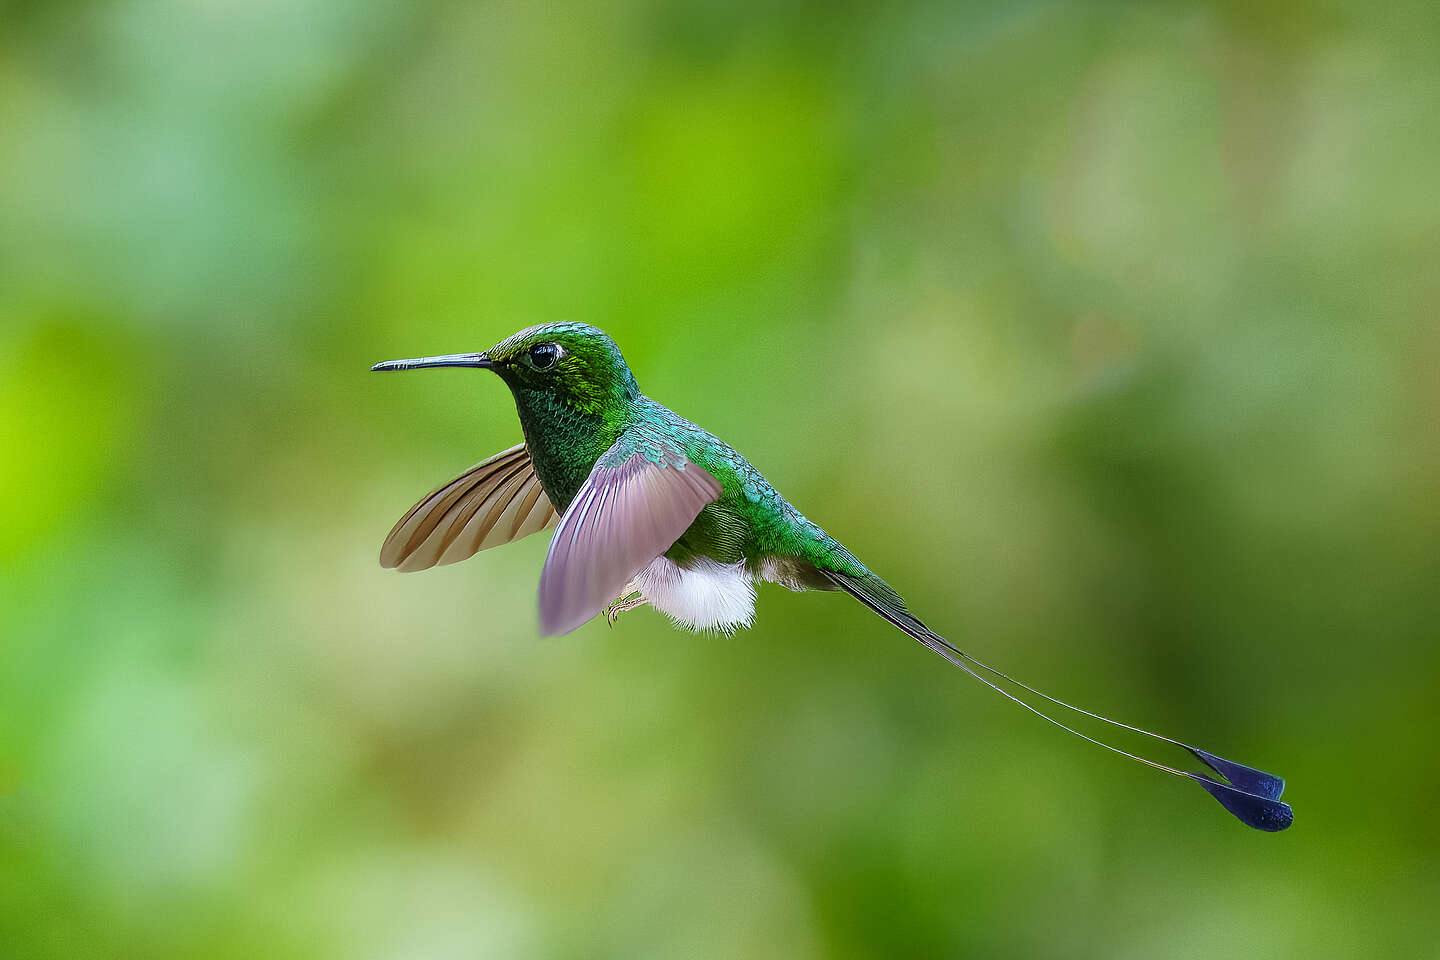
x: 704, y: 596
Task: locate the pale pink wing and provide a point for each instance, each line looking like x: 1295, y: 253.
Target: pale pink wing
x: 628, y: 512
x: 494, y: 502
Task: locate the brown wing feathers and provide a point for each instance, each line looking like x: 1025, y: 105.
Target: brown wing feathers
x: 494, y: 502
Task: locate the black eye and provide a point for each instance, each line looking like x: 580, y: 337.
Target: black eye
x: 544, y: 355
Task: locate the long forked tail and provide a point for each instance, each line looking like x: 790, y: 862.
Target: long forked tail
x: 1253, y: 796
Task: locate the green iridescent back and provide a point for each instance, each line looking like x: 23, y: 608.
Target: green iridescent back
x: 590, y: 401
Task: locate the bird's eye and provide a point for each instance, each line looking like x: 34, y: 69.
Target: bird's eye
x: 543, y: 355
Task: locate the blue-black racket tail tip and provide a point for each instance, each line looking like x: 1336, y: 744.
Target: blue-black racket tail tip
x: 1252, y: 796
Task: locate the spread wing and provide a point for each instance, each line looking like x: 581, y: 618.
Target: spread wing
x: 634, y: 505
x: 494, y: 502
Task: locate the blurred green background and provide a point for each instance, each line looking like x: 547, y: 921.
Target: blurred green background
x: 1106, y: 332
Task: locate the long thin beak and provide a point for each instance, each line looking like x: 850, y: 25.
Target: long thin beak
x: 449, y: 360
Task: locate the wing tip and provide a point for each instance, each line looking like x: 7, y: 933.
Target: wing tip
x: 395, y: 555
x: 555, y: 624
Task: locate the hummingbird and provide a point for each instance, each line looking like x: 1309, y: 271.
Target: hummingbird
x: 649, y: 508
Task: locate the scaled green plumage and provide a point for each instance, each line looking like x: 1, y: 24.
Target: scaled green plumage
x: 591, y: 401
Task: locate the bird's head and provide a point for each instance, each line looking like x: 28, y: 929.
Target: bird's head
x: 573, y: 363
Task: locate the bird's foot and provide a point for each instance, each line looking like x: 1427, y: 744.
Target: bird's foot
x: 628, y: 602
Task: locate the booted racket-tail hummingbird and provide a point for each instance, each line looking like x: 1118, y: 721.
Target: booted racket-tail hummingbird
x: 649, y: 508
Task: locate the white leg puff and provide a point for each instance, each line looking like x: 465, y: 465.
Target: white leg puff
x: 705, y: 596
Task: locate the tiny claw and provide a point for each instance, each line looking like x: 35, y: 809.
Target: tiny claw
x: 628, y: 602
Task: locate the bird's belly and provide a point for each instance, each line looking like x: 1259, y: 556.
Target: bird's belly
x: 707, y: 595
